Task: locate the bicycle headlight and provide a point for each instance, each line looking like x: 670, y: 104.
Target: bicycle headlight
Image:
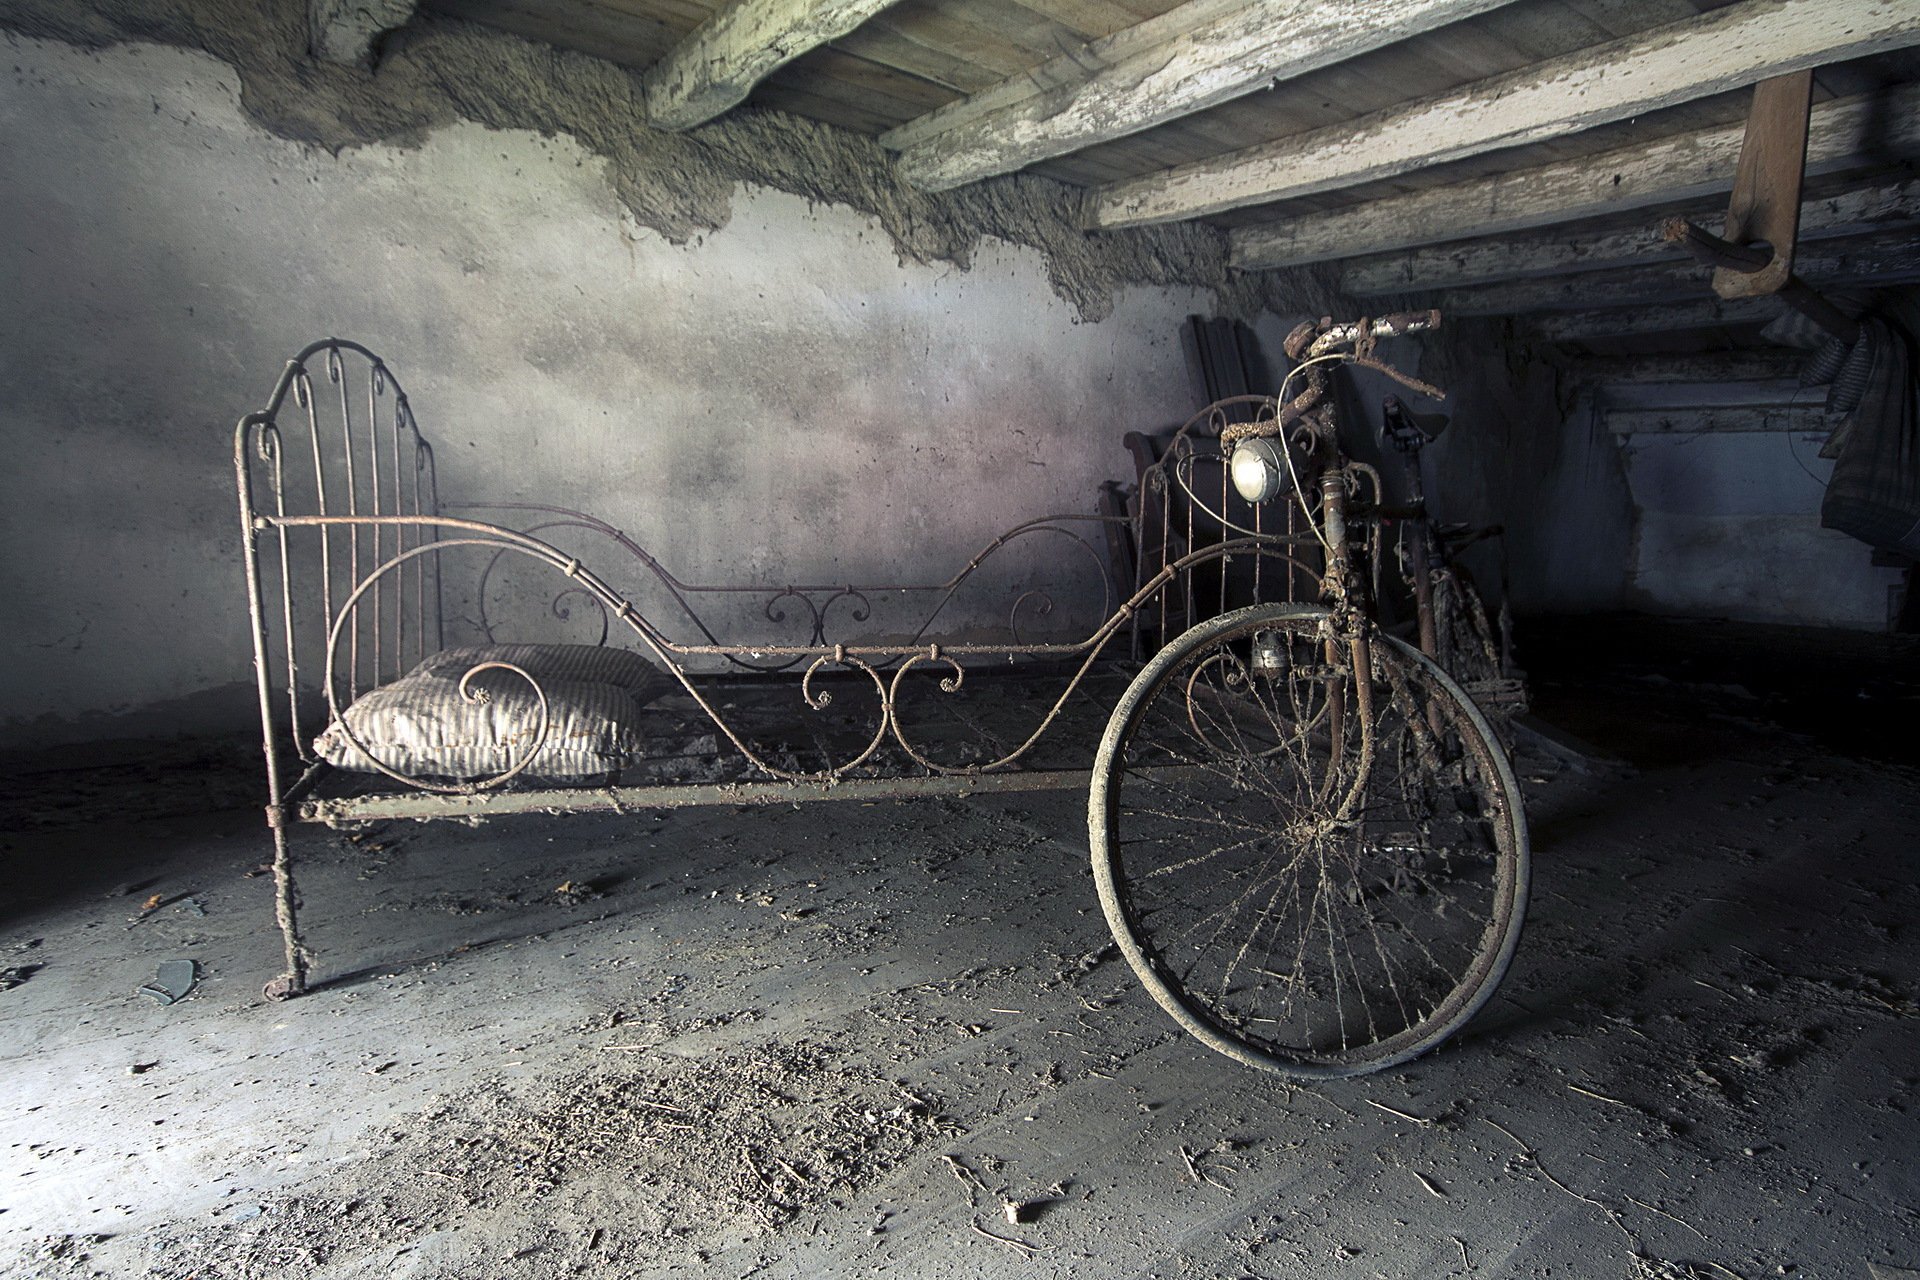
x: 1257, y: 469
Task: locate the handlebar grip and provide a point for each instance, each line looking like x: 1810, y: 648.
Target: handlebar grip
x: 1309, y: 340
x: 1406, y: 322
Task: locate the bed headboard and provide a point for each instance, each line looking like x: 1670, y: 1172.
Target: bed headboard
x: 336, y: 438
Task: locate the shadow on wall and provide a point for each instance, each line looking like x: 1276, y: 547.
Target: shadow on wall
x: 1518, y: 455
x: 1722, y: 523
x: 1728, y: 525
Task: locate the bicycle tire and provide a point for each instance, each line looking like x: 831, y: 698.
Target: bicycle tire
x: 1419, y: 851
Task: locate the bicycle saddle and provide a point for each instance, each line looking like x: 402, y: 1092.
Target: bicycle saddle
x: 1406, y: 430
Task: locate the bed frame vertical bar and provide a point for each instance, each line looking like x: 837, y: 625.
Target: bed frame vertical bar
x: 285, y: 894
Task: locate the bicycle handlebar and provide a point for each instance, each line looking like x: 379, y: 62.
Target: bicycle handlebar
x: 1327, y: 336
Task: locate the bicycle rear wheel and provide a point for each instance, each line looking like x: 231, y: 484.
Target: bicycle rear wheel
x: 1313, y: 874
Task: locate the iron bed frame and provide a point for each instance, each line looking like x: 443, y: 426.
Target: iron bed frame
x: 336, y: 483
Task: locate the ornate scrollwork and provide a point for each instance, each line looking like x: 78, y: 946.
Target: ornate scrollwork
x: 777, y: 615
x: 956, y: 681
x: 1044, y: 608
x: 564, y: 613
x: 861, y: 610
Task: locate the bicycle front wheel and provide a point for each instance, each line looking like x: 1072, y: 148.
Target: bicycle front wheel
x: 1312, y: 853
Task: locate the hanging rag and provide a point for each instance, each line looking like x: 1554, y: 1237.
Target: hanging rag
x: 1874, y: 494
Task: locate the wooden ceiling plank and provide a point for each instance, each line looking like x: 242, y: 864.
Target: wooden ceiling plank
x: 1883, y: 258
x: 1630, y: 322
x: 877, y: 44
x: 1035, y: 33
x: 714, y: 69
x: 814, y: 106
x: 900, y: 93
x: 944, y: 33
x: 1473, y: 51
x: 1845, y: 133
x: 1624, y: 17
x: 1087, y: 19
x: 1472, y: 262
x: 1726, y: 49
x: 1099, y: 92
x: 1081, y: 169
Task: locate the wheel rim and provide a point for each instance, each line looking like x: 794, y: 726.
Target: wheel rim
x: 1310, y: 876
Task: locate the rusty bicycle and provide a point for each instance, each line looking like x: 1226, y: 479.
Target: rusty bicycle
x: 1307, y: 838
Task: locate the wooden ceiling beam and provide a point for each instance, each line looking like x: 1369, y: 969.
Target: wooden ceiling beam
x: 1809, y: 419
x: 1885, y: 258
x: 1475, y: 262
x: 1749, y: 364
x: 1187, y: 60
x: 1844, y: 135
x: 1695, y: 58
x: 1634, y: 322
x: 1061, y: 75
x: 715, y: 68
x: 1731, y: 394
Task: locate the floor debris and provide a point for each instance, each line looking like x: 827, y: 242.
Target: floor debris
x: 172, y: 982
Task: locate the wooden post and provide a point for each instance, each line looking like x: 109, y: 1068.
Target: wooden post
x: 1766, y: 188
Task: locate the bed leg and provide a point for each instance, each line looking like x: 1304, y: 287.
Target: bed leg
x: 286, y: 903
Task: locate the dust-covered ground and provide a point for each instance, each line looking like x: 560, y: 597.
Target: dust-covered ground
x: 855, y: 1039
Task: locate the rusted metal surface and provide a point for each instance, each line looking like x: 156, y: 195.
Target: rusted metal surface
x: 1724, y: 255
x: 816, y: 599
x: 348, y: 811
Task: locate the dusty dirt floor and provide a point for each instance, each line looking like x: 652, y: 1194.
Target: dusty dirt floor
x: 842, y: 1039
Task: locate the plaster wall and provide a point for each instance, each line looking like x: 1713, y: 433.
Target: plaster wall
x: 1728, y: 525
x: 1702, y: 525
x: 1723, y: 524
x: 778, y: 399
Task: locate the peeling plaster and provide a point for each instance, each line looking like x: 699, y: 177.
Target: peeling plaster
x: 435, y: 71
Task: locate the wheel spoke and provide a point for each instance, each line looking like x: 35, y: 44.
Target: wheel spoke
x: 1294, y: 935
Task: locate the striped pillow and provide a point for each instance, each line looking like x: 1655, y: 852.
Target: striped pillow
x: 422, y: 726
x: 595, y: 663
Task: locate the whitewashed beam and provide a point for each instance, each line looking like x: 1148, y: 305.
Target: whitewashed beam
x: 1887, y: 258
x: 1676, y: 63
x: 1061, y: 75
x: 1630, y: 322
x: 1470, y: 262
x: 1844, y: 134
x: 714, y: 69
x: 345, y: 31
x: 1255, y: 46
x: 1809, y: 418
x: 1751, y: 364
